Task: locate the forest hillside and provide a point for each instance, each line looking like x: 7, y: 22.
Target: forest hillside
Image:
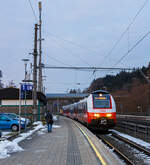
x: 130, y: 90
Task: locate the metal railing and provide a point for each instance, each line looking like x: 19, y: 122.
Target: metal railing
x: 134, y: 124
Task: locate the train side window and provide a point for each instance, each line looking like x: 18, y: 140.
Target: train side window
x: 86, y: 106
x: 82, y: 107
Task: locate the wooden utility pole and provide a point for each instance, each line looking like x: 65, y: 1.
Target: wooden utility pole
x: 40, y: 84
x: 35, y: 75
x: 148, y: 74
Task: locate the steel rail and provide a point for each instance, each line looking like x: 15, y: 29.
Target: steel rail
x: 131, y: 143
x: 124, y: 157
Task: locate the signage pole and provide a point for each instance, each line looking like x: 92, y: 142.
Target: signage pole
x: 19, y: 108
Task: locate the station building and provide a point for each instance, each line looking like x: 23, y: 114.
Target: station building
x: 55, y: 101
x: 9, y: 103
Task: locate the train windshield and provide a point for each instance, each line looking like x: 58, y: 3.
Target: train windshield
x: 101, y: 101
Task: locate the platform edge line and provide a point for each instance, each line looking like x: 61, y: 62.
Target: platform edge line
x: 92, y: 145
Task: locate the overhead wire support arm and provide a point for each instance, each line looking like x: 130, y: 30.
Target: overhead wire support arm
x: 85, y: 68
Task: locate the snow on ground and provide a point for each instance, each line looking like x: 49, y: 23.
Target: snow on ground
x: 5, y: 133
x: 136, y: 140
x: 56, y: 126
x: 23, y: 136
x: 8, y: 147
x: 55, y: 118
x: 44, y: 129
x: 141, y: 155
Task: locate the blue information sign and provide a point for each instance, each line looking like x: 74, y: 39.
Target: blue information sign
x: 26, y: 87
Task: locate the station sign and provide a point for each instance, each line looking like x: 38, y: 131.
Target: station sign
x: 26, y: 87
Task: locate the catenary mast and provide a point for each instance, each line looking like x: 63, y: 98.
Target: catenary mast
x: 40, y: 84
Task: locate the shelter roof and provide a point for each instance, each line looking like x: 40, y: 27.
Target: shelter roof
x: 65, y: 95
x: 13, y: 94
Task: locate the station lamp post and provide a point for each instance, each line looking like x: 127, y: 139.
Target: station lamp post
x: 25, y: 60
x: 25, y: 80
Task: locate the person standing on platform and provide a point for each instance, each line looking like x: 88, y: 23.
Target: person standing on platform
x: 49, y: 120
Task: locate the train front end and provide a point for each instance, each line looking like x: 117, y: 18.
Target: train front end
x: 101, y: 110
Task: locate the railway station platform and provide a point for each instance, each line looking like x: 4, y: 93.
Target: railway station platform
x: 70, y: 144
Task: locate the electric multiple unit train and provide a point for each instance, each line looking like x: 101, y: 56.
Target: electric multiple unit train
x: 96, y: 111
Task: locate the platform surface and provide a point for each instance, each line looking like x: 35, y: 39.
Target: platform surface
x: 63, y: 146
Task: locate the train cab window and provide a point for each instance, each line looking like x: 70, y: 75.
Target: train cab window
x: 101, y: 101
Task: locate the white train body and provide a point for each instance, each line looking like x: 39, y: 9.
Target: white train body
x: 98, y: 110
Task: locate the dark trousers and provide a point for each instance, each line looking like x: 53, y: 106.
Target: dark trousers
x: 49, y: 127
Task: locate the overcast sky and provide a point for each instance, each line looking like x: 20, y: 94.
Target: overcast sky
x: 76, y: 33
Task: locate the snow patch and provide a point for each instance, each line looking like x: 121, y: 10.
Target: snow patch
x: 55, y: 118
x: 56, y: 126
x: 7, y: 147
x: 136, y: 140
x: 27, y: 134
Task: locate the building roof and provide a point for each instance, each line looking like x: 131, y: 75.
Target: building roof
x: 65, y: 95
x: 13, y: 94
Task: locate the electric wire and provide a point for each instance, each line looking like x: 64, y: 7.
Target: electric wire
x: 70, y: 52
x: 128, y: 27
x: 34, y: 14
x: 117, y: 42
x: 73, y: 43
x: 65, y: 83
x: 130, y: 50
x: 137, y: 43
x: 57, y: 60
x: 54, y: 59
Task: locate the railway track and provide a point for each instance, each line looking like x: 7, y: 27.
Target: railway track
x: 141, y: 148
x: 128, y: 151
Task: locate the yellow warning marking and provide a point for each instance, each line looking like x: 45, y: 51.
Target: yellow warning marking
x: 93, y: 146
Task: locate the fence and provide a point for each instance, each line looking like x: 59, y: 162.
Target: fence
x: 134, y: 123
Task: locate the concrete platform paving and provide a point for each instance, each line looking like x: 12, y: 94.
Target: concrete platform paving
x: 64, y: 146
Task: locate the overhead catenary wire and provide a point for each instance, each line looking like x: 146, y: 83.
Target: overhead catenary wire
x: 74, y: 43
x: 66, y: 83
x: 129, y: 50
x: 70, y: 51
x: 117, y: 42
x: 78, y: 45
x: 58, y: 60
x: 132, y: 48
x: 33, y: 11
x: 122, y: 35
x: 54, y: 59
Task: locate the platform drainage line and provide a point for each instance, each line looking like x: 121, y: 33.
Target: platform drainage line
x: 93, y: 146
x: 73, y: 152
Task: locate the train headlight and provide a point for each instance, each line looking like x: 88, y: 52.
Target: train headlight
x: 96, y: 115
x: 109, y: 115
